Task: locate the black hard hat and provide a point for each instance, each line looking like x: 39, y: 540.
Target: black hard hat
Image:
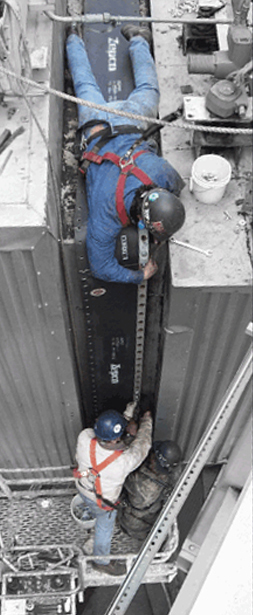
x: 167, y: 453
x: 127, y: 248
x: 110, y: 425
x: 162, y: 212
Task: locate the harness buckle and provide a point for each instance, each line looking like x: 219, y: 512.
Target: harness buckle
x: 125, y: 161
x: 78, y: 474
x: 94, y: 472
x: 83, y: 143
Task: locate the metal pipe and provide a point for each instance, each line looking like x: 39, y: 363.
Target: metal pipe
x: 46, y: 469
x: 31, y: 481
x: 106, y: 18
x: 3, y: 485
x: 63, y: 594
x: 51, y: 545
x: 54, y: 594
x: 29, y: 494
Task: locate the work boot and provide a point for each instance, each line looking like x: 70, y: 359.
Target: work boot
x: 114, y: 568
x: 75, y: 9
x: 74, y: 28
x: 129, y: 30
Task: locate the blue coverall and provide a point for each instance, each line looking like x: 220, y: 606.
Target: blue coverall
x: 101, y: 180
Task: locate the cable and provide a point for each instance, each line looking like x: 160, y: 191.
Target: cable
x: 90, y: 105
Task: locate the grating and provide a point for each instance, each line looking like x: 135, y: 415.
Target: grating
x: 48, y: 520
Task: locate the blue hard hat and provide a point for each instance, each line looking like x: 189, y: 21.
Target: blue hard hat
x: 110, y: 425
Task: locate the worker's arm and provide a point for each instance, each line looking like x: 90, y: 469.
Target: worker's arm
x: 132, y: 426
x: 150, y: 269
x: 139, y: 448
x: 174, y: 182
x: 104, y: 264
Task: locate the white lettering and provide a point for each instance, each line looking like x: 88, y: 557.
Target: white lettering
x: 124, y: 248
x: 114, y: 373
x: 112, y: 54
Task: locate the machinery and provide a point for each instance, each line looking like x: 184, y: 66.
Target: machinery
x: 220, y: 63
x: 228, y: 102
x: 39, y: 580
x: 230, y: 95
x: 227, y: 98
x: 201, y: 38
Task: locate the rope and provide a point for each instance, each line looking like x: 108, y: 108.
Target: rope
x: 86, y: 103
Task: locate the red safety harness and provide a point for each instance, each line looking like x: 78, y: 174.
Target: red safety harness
x: 95, y: 471
x: 97, y: 468
x: 126, y: 166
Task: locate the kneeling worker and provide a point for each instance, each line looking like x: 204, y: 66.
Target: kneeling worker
x: 147, y: 489
x: 104, y: 461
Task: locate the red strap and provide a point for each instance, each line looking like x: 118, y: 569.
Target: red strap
x: 76, y: 473
x: 141, y: 175
x: 98, y: 468
x: 125, y: 169
x: 92, y: 157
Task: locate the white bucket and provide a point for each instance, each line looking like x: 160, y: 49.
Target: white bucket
x: 81, y: 513
x: 209, y: 178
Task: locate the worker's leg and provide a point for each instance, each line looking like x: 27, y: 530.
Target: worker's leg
x: 103, y: 533
x: 144, y: 99
x: 103, y: 529
x: 85, y: 84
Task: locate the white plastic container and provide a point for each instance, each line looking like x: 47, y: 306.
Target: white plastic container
x: 210, y: 176
x: 81, y: 513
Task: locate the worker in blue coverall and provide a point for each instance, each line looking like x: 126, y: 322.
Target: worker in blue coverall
x: 157, y: 204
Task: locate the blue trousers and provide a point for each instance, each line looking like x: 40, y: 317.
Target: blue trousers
x: 103, y: 528
x: 143, y: 100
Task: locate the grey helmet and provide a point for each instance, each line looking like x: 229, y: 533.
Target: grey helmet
x: 162, y: 212
x: 167, y: 453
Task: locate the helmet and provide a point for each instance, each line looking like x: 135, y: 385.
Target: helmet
x: 127, y: 247
x: 132, y: 246
x: 163, y: 213
x: 167, y: 453
x: 110, y: 425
